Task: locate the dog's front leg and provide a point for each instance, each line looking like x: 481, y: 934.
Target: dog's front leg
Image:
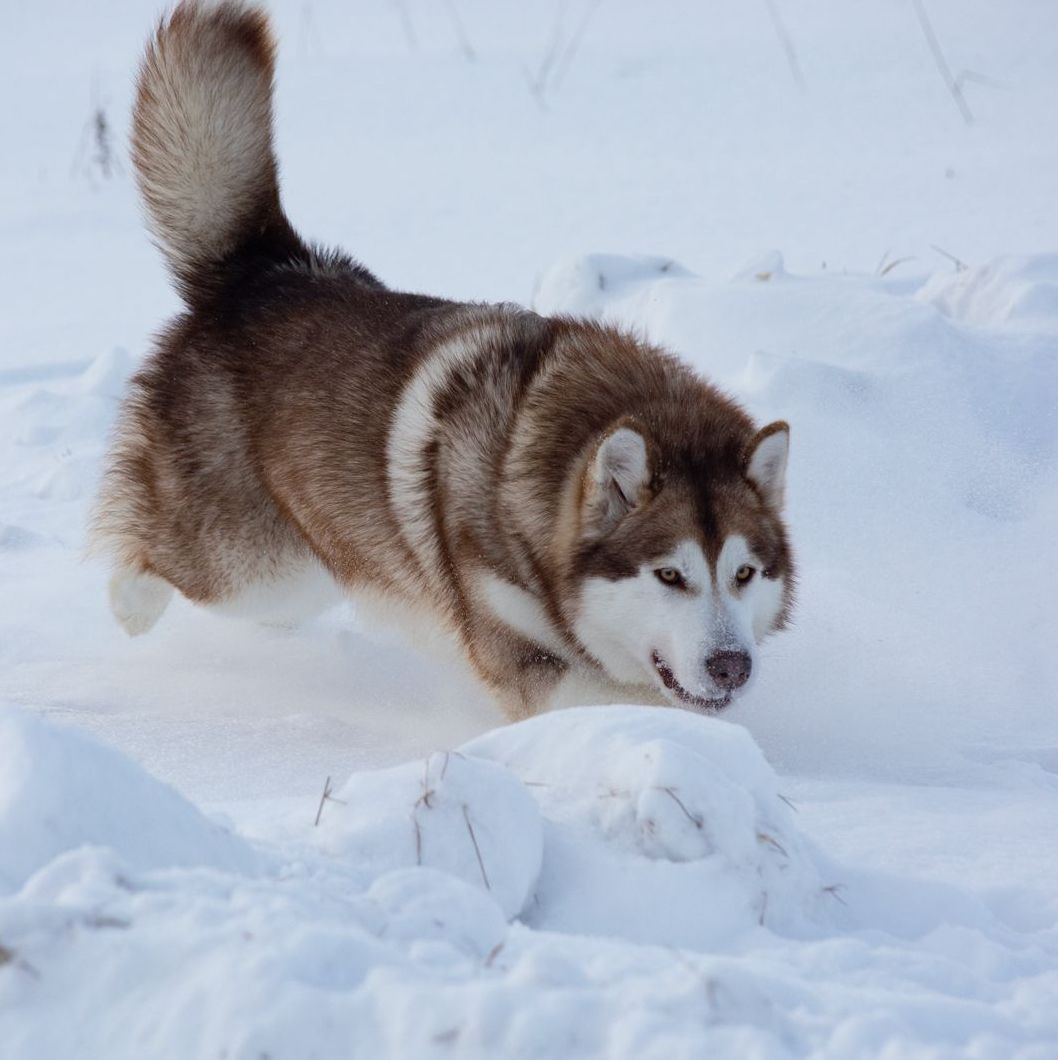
x: 527, y: 678
x: 521, y: 674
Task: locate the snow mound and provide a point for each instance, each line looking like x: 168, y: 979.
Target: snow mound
x: 593, y: 280
x: 1015, y: 289
x: 60, y: 790
x: 651, y: 824
x: 647, y: 824
x: 422, y: 907
x: 662, y: 826
x: 463, y: 816
x: 762, y: 268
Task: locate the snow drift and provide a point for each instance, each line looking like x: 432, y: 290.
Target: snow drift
x: 574, y: 820
x: 132, y: 926
x: 661, y: 827
x: 60, y: 790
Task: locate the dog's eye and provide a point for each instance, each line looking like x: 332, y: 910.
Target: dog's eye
x: 744, y: 574
x: 670, y: 576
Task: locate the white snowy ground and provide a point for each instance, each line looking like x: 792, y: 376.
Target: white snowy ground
x: 619, y: 882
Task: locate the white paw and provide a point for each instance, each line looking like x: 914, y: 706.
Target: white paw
x: 138, y: 600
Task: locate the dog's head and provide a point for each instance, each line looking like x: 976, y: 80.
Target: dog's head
x: 682, y: 562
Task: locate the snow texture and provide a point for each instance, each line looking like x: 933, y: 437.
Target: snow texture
x: 673, y: 805
x: 858, y: 860
x: 60, y: 791
x: 471, y: 819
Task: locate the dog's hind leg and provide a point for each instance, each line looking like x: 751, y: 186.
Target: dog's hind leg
x: 138, y: 599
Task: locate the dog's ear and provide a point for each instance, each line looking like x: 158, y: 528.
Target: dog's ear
x: 617, y: 478
x: 766, y: 462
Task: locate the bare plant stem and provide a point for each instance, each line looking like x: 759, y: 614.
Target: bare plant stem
x: 787, y: 44
x: 477, y: 849
x: 461, y: 31
x: 942, y: 64
x: 573, y: 45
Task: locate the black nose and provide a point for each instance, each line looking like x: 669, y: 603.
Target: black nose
x: 729, y: 669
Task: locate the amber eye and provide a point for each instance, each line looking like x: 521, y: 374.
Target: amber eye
x: 669, y: 576
x: 744, y: 574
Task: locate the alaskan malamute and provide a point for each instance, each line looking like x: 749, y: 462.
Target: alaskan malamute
x: 579, y: 509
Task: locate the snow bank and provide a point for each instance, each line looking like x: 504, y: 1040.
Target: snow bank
x: 572, y: 820
x: 469, y: 818
x: 662, y: 826
x: 1018, y: 291
x: 593, y: 280
x: 60, y: 790
x: 662, y: 831
x: 385, y: 928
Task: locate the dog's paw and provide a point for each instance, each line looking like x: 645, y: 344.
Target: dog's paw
x: 138, y: 600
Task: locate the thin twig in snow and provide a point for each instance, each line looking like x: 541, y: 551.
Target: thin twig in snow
x: 477, y: 849
x: 772, y: 842
x: 960, y: 265
x: 449, y: 755
x: 554, y: 43
x: 10, y: 956
x: 327, y: 796
x: 538, y: 84
x: 696, y: 821
x: 534, y: 89
x: 95, y: 149
x: 323, y: 799
x: 896, y: 262
x: 569, y: 53
x: 427, y: 792
x: 461, y: 31
x: 786, y: 41
x: 834, y: 890
x: 942, y: 64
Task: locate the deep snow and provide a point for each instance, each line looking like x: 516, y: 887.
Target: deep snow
x: 602, y: 882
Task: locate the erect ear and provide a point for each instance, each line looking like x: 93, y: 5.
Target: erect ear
x: 618, y: 475
x: 766, y: 462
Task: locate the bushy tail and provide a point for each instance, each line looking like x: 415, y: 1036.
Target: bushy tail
x: 202, y: 146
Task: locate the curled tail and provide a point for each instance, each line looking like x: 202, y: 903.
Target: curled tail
x: 202, y: 146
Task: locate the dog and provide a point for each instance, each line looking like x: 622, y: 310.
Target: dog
x: 585, y: 515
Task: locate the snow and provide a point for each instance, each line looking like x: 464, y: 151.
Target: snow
x: 60, y: 791
x: 470, y: 819
x: 675, y: 908
x: 670, y: 804
x: 860, y: 859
